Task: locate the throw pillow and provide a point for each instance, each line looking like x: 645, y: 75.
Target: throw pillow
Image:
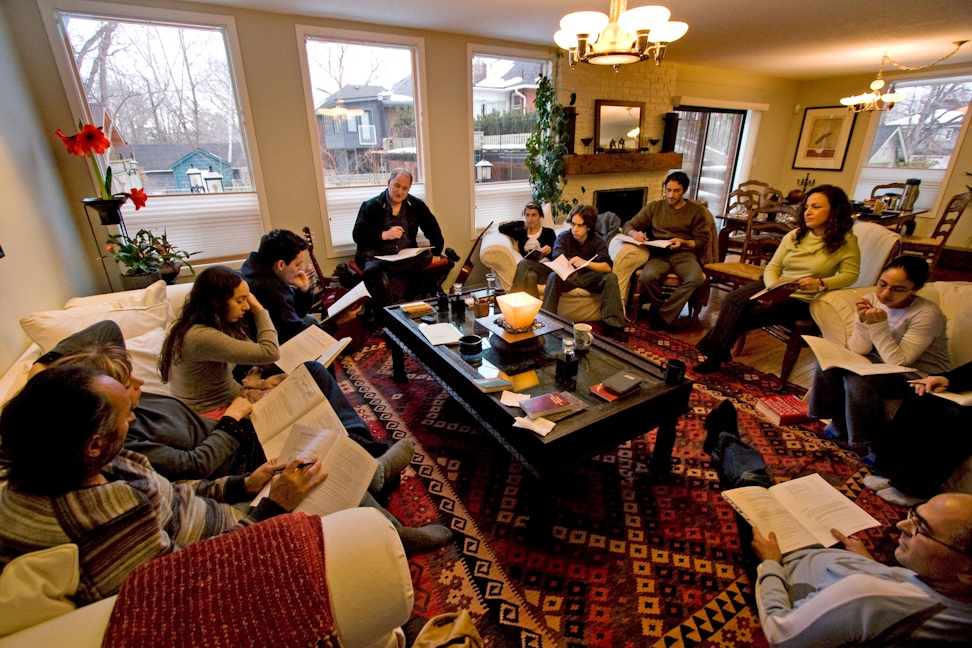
x: 50, y: 327
x: 36, y: 587
x: 154, y: 294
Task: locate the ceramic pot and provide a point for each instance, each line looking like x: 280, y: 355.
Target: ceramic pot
x: 170, y: 272
x: 141, y: 280
x: 109, y: 209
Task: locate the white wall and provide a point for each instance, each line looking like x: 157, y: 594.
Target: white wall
x: 44, y: 265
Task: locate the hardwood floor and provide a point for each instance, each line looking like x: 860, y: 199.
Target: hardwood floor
x: 763, y: 352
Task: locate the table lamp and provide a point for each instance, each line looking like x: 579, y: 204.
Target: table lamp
x: 519, y: 310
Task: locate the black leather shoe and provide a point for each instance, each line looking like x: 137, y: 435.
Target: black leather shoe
x: 708, y: 365
x: 616, y: 333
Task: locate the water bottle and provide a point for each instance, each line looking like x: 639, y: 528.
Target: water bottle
x: 458, y: 305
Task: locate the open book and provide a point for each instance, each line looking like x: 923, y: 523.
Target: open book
x: 962, y: 398
x: 777, y: 291
x: 561, y: 265
x: 406, y: 253
x: 659, y: 243
x: 313, y: 343
x: 349, y: 468
x: 801, y: 512
x: 833, y: 355
x: 357, y: 295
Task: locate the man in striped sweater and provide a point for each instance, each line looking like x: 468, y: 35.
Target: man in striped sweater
x: 69, y: 480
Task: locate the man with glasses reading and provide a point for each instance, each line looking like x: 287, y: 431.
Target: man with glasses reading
x: 817, y: 597
x: 579, y: 244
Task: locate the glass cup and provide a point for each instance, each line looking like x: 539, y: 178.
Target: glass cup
x: 569, y: 348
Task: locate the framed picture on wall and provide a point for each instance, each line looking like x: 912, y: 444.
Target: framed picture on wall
x: 823, y: 138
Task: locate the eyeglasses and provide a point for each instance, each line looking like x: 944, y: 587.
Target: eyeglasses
x: 900, y: 290
x: 921, y: 529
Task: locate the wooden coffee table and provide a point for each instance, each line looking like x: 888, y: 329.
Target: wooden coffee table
x: 601, y: 427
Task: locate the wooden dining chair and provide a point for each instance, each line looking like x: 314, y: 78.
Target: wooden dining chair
x: 765, y: 227
x: 896, y: 188
x: 733, y: 230
x: 930, y: 248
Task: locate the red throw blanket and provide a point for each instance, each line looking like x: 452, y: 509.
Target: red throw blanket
x: 260, y: 586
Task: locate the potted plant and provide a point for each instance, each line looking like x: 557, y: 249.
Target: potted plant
x: 170, y: 257
x: 145, y: 257
x: 546, y: 148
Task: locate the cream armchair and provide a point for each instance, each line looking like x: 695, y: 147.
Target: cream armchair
x: 500, y: 253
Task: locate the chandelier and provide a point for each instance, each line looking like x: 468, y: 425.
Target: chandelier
x: 875, y: 100
x: 627, y: 36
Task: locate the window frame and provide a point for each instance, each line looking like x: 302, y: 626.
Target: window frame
x: 494, y: 189
x: 377, y: 39
x: 63, y: 56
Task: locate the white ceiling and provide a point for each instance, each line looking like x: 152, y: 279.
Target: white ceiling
x: 782, y: 38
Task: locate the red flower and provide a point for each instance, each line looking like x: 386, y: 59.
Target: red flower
x: 92, y: 139
x: 70, y: 143
x: 138, y: 197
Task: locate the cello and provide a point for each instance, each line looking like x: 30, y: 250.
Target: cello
x: 468, y: 265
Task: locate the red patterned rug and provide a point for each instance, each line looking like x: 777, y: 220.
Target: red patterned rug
x: 633, y: 559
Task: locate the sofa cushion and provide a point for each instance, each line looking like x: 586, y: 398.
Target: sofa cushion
x: 36, y: 587
x: 50, y: 327
x: 154, y: 294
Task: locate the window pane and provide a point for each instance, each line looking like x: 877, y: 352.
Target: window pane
x: 503, y: 91
x: 166, y: 99
x: 709, y: 141
x: 364, y: 103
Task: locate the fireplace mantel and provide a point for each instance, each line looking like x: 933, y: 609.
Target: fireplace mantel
x: 621, y: 162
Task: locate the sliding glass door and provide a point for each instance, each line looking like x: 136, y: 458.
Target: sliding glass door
x: 709, y: 141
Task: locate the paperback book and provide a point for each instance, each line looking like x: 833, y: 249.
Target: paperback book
x: 833, y: 355
x: 659, y: 243
x: 776, y: 292
x: 561, y: 265
x: 313, y: 343
x: 801, y: 512
x: 546, y: 404
x: 783, y: 410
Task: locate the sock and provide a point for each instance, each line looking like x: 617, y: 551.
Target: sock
x: 394, y: 461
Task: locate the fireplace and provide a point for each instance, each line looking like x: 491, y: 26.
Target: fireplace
x: 623, y: 202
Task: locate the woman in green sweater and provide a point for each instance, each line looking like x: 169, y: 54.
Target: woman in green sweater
x: 820, y: 254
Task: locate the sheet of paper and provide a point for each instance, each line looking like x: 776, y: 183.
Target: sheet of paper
x: 407, y: 253
x: 512, y: 399
x: 833, y: 355
x: 962, y: 398
x: 441, y: 333
x: 821, y: 507
x: 659, y: 243
x: 539, y: 425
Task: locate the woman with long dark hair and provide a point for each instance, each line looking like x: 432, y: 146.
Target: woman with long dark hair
x: 211, y: 337
x: 820, y: 254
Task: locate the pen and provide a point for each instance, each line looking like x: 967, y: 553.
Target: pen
x: 301, y: 465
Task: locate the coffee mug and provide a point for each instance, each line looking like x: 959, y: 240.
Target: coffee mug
x: 470, y: 344
x: 583, y: 337
x: 674, y: 371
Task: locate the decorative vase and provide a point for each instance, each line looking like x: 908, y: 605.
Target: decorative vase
x: 140, y: 280
x: 170, y: 271
x: 109, y: 209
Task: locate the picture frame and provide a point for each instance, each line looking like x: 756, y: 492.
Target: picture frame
x: 824, y: 137
x: 614, y: 122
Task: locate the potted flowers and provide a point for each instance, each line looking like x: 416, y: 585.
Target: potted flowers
x: 146, y: 258
x: 88, y: 141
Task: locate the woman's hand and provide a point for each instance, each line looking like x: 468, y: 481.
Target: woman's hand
x: 256, y: 480
x: 867, y: 313
x: 852, y: 544
x: 930, y: 384
x: 766, y: 548
x: 254, y: 303
x: 290, y: 486
x: 811, y: 284
x: 239, y: 408
x: 545, y: 251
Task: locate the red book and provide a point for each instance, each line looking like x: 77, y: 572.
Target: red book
x: 546, y: 404
x: 783, y: 410
x: 598, y: 389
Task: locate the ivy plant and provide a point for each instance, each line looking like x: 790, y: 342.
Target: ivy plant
x: 546, y: 148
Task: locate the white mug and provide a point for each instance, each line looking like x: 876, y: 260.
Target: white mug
x: 583, y: 337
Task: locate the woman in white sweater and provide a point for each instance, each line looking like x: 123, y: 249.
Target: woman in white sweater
x: 211, y: 337
x: 893, y: 326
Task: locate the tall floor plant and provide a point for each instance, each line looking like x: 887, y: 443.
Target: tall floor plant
x: 546, y: 148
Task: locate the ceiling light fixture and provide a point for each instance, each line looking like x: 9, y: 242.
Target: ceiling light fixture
x: 626, y: 36
x: 875, y: 100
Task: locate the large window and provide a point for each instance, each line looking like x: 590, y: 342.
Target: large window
x: 364, y: 106
x: 165, y: 94
x: 916, y: 138
x: 709, y: 140
x: 503, y: 91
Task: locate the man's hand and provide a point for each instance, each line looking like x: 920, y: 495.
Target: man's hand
x: 766, y: 548
x: 239, y: 408
x: 930, y: 384
x: 577, y: 262
x: 301, y: 281
x: 852, y: 544
x: 638, y: 236
x: 290, y: 487
x: 680, y: 243
x: 256, y: 480
x: 393, y: 233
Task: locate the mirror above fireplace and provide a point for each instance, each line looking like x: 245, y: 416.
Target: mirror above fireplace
x: 617, y: 125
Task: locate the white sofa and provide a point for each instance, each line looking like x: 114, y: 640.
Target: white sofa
x: 367, y: 572
x: 500, y: 253
x: 834, y: 313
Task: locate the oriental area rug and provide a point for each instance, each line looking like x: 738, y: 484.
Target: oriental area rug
x: 633, y: 559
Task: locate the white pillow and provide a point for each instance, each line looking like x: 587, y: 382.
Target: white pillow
x: 144, y: 350
x: 36, y: 587
x: 50, y: 327
x: 154, y: 294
